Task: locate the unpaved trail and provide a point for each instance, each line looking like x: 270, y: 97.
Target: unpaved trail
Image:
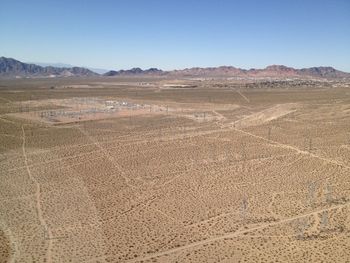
x: 287, y: 146
x: 5, y: 120
x: 7, y: 100
x: 164, y: 214
x: 109, y: 157
x: 244, y: 97
x: 211, y: 219
x: 220, y: 116
x: 235, y: 234
x: 38, y: 202
x: 9, y: 135
x: 266, y: 115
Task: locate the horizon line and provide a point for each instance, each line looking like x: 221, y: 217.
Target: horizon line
x: 176, y: 69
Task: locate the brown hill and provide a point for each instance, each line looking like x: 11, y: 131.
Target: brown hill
x: 273, y: 71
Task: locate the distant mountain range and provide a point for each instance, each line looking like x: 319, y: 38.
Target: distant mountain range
x: 11, y: 68
x: 274, y: 71
x: 63, y: 65
x: 136, y: 71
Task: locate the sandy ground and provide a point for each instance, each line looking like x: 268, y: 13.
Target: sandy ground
x: 217, y: 175
x: 5, y: 247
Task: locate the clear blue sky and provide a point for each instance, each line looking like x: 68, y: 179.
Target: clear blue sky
x: 117, y: 34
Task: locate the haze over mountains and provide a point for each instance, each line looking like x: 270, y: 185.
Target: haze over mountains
x: 11, y: 68
x: 64, y: 65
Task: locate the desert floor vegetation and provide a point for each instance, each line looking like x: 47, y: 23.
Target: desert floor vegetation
x: 209, y: 171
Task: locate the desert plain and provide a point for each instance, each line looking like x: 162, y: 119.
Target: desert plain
x: 174, y: 170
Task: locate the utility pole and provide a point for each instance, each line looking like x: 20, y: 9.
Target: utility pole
x: 310, y: 144
x: 302, y: 225
x: 311, y: 191
x: 328, y: 193
x: 324, y: 220
x: 244, y: 208
x: 244, y: 154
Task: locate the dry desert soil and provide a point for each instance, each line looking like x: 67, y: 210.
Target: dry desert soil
x: 158, y: 170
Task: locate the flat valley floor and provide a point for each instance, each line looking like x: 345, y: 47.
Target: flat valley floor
x: 139, y: 171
